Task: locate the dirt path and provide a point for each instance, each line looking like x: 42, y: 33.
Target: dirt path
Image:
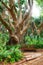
x: 36, y: 60
x: 32, y: 58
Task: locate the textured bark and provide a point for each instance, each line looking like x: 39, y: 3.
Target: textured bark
x: 19, y: 23
x: 37, y: 29
x: 6, y: 25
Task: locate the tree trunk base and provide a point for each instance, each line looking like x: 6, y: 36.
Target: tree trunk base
x: 12, y: 41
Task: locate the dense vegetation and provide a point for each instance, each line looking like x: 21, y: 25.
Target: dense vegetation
x: 18, y: 26
x: 35, y: 41
x: 8, y: 53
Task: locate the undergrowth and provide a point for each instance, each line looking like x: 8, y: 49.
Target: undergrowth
x: 37, y: 41
x: 8, y: 53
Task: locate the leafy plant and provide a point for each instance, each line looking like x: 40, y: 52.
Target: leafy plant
x: 4, y: 37
x: 37, y: 41
x: 8, y: 53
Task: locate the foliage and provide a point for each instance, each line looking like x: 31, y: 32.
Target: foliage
x: 40, y: 2
x: 22, y: 2
x: 37, y: 20
x: 4, y: 37
x: 37, y: 41
x: 8, y: 53
x: 1, y: 8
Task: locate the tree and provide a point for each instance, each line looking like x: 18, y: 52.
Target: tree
x: 16, y: 24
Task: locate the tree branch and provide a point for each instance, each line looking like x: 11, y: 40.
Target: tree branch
x: 15, y: 37
x: 11, y: 3
x: 12, y: 6
x: 40, y: 28
x: 11, y: 12
x: 11, y: 24
x: 5, y: 5
x: 25, y: 28
x: 28, y: 15
x: 20, y: 16
x: 5, y: 24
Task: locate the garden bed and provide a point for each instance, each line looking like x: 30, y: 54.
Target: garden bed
x: 31, y: 48
x: 26, y: 48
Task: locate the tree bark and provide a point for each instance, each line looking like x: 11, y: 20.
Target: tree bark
x: 19, y: 27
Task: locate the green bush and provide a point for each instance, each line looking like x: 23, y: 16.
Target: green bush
x: 8, y: 53
x: 4, y: 37
x: 37, y: 41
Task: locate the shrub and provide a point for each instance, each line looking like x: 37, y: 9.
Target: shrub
x: 37, y: 41
x: 8, y: 53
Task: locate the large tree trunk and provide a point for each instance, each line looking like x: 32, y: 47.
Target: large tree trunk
x: 20, y: 26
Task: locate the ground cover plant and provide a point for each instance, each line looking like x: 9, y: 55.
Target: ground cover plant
x: 8, y: 53
x: 36, y: 41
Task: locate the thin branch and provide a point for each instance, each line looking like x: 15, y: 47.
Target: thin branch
x: 25, y: 28
x: 15, y: 9
x: 20, y: 17
x: 11, y: 25
x: 9, y: 29
x: 41, y: 25
x: 34, y: 27
x: 11, y: 2
x: 5, y: 24
x: 28, y: 15
x: 30, y: 2
x: 40, y: 28
x: 11, y: 12
x: 12, y: 6
x: 5, y: 5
